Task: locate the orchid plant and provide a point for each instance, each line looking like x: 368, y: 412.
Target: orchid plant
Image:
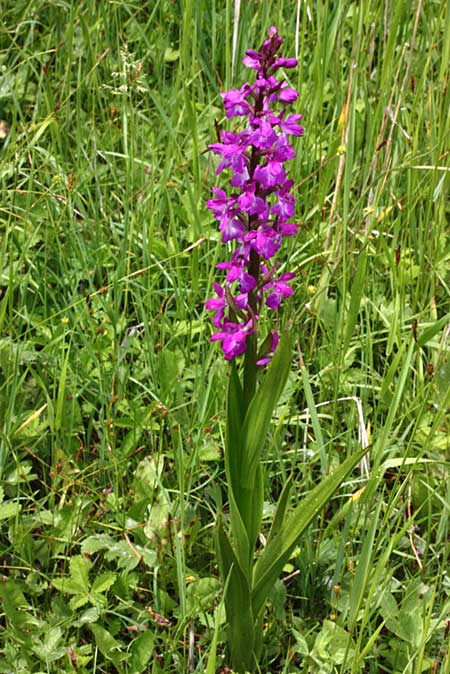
x: 254, y: 216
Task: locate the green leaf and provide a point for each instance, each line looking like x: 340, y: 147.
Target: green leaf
x: 141, y: 652
x: 69, y: 586
x: 9, y: 509
x: 41, y: 128
x: 251, y: 507
x: 156, y: 525
x: 314, y: 419
x: 50, y: 649
x: 442, y: 379
x: 97, y: 542
x: 426, y: 335
x: 15, y: 605
x: 280, y: 510
x: 91, y: 615
x: 78, y: 581
x: 408, y: 626
x: 235, y: 421
x: 201, y: 595
x: 148, y: 472
x: 103, y: 582
x: 106, y: 643
x: 171, y: 55
x: 243, y: 550
x: 392, y: 416
x: 149, y: 556
x: 79, y: 600
x: 333, y: 645
x: 237, y: 604
x: 277, y: 552
x: 355, y: 299
x: 363, y: 569
x: 61, y: 392
x: 212, y: 656
x: 79, y: 571
x: 259, y: 414
x: 233, y: 468
x: 118, y: 551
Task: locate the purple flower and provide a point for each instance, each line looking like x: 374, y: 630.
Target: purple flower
x: 285, y: 63
x: 232, y: 157
x: 252, y: 59
x: 265, y: 241
x: 285, y: 206
x: 231, y: 228
x: 279, y: 289
x: 221, y: 203
x: 227, y: 214
x: 291, y: 126
x: 235, y: 102
x: 270, y: 174
x: 238, y: 304
x: 236, y: 272
x: 282, y: 149
x: 287, y: 228
x: 288, y: 95
x: 257, y: 208
x: 249, y: 202
x: 218, y: 305
x: 264, y: 137
x: 233, y: 338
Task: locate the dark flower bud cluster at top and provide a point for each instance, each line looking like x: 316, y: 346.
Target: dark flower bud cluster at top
x: 257, y: 209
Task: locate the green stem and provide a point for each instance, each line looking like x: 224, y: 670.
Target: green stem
x: 250, y: 367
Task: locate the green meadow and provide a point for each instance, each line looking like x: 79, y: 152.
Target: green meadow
x: 112, y: 396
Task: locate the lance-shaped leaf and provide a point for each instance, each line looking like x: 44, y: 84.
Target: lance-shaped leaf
x: 259, y: 413
x: 280, y: 510
x: 277, y: 552
x: 240, y: 534
x: 251, y: 502
x: 233, y: 468
x: 235, y: 422
x: 237, y: 604
x: 246, y: 505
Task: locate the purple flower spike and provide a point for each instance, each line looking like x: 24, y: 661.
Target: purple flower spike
x: 256, y: 209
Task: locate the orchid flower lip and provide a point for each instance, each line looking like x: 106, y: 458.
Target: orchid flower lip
x: 255, y: 211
